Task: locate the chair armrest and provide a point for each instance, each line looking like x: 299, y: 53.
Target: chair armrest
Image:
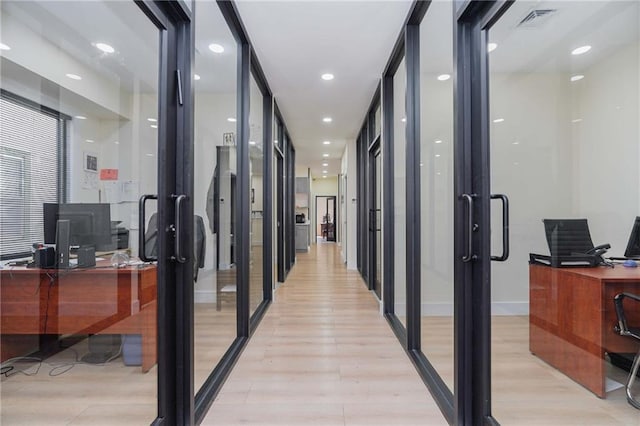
x: 622, y: 327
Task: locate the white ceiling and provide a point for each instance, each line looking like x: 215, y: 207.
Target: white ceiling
x: 297, y: 41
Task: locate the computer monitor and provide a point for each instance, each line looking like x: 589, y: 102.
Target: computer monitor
x: 90, y: 223
x: 633, y: 246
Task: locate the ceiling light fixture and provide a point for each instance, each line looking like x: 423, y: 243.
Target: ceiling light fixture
x: 149, y: 154
x: 89, y: 140
x: 404, y: 119
x: 327, y: 76
x: 106, y: 48
x: 81, y: 117
x: 327, y: 119
x: 324, y: 171
x: 580, y: 50
x: 491, y: 47
x: 576, y: 120
x: 577, y: 77
x: 153, y: 120
x: 231, y: 120
x: 252, y: 142
x: 216, y: 48
x: 438, y: 141
x: 444, y: 77
x: 4, y: 47
x: 437, y: 155
x: 516, y: 143
x: 325, y: 164
x: 116, y: 142
x: 196, y: 77
x: 498, y: 120
x: 74, y: 76
x: 325, y: 155
x: 153, y: 126
x: 327, y: 142
x: 324, y: 177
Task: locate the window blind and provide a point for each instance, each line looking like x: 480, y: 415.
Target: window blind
x: 30, y: 150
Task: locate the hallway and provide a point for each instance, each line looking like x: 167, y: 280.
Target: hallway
x: 323, y: 355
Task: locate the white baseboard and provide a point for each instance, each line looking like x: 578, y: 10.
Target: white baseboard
x: 204, y: 296
x: 446, y: 309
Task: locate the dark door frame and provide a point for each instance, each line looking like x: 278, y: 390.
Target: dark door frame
x: 373, y: 226
x: 335, y: 210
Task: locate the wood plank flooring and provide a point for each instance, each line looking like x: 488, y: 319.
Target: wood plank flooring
x: 323, y: 355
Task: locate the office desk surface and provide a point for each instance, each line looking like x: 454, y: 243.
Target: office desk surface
x: 571, y: 319
x: 81, y: 301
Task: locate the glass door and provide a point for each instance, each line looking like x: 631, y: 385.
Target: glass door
x: 86, y: 120
x: 573, y: 143
x: 375, y: 220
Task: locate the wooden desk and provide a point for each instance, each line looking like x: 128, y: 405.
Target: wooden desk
x: 571, y: 319
x: 100, y: 300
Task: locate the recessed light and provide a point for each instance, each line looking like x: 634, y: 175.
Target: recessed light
x: 324, y: 171
x: 516, y: 143
x: 577, y: 77
x: 404, y: 119
x: 576, y: 120
x: 105, y: 47
x: 325, y: 155
x: 438, y: 141
x: 327, y: 76
x: 116, y: 142
x: 153, y: 126
x: 153, y: 120
x: 437, y: 155
x: 4, y: 47
x: 89, y: 140
x: 196, y: 77
x: 81, y: 117
x: 444, y: 77
x: 325, y: 164
x: 252, y: 142
x: 149, y: 154
x: 491, y: 47
x: 327, y: 142
x: 74, y: 76
x: 231, y: 120
x: 580, y: 50
x: 216, y: 48
x: 421, y: 164
x: 438, y: 173
x: 498, y: 120
x: 327, y: 119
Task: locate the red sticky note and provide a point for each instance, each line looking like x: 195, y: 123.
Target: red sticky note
x: 108, y: 174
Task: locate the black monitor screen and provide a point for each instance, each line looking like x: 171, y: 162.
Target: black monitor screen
x: 633, y: 246
x: 90, y: 223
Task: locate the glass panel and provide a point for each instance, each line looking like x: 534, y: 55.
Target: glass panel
x: 378, y: 224
x: 256, y: 155
x: 564, y: 134
x: 436, y: 182
x: 215, y: 190
x: 399, y: 193
x: 378, y: 123
x: 78, y: 338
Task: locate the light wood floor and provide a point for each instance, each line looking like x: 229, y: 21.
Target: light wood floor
x: 323, y: 355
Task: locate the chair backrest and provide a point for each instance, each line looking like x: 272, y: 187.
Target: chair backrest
x: 567, y: 236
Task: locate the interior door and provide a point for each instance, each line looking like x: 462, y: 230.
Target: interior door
x: 375, y: 220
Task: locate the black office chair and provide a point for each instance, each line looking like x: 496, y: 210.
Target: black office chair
x: 199, y: 242
x: 634, y: 332
x: 569, y: 238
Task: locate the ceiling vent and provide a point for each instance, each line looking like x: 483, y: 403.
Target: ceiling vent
x: 536, y: 18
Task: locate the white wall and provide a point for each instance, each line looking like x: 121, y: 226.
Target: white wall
x: 351, y: 206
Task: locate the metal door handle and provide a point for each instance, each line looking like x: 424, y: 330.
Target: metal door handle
x: 179, y: 199
x: 141, y: 226
x: 471, y: 228
x: 505, y: 227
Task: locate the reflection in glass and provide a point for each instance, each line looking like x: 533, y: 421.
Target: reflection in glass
x: 78, y: 146
x: 399, y: 192
x: 215, y: 178
x: 436, y: 183
x: 256, y: 161
x: 565, y: 141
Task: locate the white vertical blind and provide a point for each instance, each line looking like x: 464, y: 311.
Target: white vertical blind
x: 29, y: 173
